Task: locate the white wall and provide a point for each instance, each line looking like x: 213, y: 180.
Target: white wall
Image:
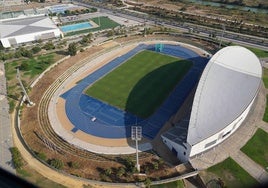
x: 5, y: 42
x: 182, y: 152
x: 220, y: 136
x: 29, y: 37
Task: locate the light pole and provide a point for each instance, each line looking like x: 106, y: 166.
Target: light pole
x: 24, y: 91
x: 223, y: 30
x: 136, y: 132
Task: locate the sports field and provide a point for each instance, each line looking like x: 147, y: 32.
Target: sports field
x: 141, y: 84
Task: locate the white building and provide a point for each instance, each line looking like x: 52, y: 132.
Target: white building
x: 224, y: 96
x: 22, y: 30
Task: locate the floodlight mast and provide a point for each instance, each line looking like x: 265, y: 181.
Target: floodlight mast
x: 223, y: 30
x: 24, y: 91
x: 136, y: 135
x: 137, y: 155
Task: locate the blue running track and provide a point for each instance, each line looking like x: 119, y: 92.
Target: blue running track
x: 112, y: 122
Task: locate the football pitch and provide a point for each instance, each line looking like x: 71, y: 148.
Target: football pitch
x: 142, y: 83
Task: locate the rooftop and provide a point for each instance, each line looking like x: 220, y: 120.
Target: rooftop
x: 227, y: 86
x: 27, y: 25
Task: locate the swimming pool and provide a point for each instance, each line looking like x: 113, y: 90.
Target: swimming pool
x: 75, y: 27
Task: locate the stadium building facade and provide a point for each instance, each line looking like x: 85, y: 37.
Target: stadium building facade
x: 224, y: 96
x: 14, y: 32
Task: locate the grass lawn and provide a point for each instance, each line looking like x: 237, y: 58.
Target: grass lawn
x: 29, y: 69
x: 105, y: 23
x: 265, y: 115
x: 260, y: 53
x: 37, y: 179
x: 142, y: 83
x: 232, y: 174
x: 265, y: 77
x: 175, y: 184
x: 256, y: 148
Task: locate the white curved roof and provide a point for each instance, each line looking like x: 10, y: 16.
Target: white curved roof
x: 228, y: 84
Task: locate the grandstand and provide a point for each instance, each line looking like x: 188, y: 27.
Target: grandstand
x: 224, y: 96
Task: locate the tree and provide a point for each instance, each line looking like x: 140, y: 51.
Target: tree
x: 27, y: 53
x: 24, y: 66
x: 36, y: 49
x: 49, y: 46
x: 72, y: 49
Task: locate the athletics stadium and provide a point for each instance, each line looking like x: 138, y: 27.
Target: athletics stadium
x: 104, y: 102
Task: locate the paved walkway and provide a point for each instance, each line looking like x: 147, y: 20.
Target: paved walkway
x: 231, y: 146
x: 6, y: 140
x: 254, y: 169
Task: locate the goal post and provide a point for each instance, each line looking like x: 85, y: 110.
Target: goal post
x: 159, y: 47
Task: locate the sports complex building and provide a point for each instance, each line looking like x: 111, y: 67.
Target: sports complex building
x: 22, y: 30
x: 224, y: 96
x: 20, y: 27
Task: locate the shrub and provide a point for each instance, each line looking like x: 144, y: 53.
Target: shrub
x: 147, y: 182
x: 17, y: 54
x: 3, y: 56
x: 156, y: 166
x: 108, y: 172
x: 24, y: 66
x: 42, y: 156
x: 75, y: 165
x: 16, y: 157
x: 49, y: 46
x: 56, y: 163
x: 121, y: 171
x: 27, y: 53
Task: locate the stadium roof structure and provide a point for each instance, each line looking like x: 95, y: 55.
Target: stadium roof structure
x: 26, y: 25
x: 227, y: 86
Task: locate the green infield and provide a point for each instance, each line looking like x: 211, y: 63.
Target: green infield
x: 232, y: 175
x: 141, y: 84
x: 256, y: 148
